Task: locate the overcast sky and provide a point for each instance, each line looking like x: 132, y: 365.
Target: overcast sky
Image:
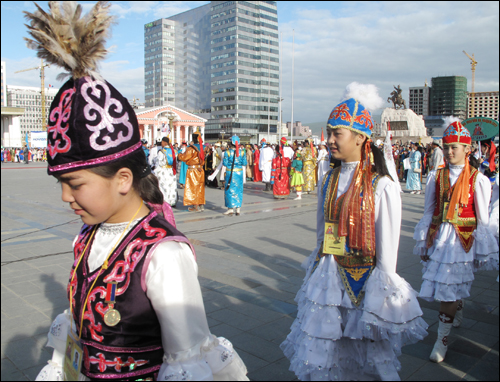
x: 383, y: 43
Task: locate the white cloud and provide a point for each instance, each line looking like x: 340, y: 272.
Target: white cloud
x: 385, y: 44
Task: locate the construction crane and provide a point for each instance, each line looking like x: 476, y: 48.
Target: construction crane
x: 42, y: 92
x: 473, y: 64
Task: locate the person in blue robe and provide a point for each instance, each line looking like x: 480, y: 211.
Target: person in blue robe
x: 235, y: 176
x: 184, y: 167
x: 413, y: 182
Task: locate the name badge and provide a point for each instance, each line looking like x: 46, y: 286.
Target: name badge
x: 333, y: 243
x: 446, y: 207
x: 72, y: 358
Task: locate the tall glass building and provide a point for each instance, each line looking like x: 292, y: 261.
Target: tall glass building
x: 220, y: 60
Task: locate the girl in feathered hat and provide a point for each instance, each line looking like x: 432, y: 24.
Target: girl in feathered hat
x: 354, y: 311
x: 453, y: 237
x: 135, y: 306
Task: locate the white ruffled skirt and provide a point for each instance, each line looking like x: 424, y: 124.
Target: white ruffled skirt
x: 332, y: 339
x: 449, y: 272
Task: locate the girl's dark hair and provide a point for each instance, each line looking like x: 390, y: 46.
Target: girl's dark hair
x: 147, y: 187
x: 379, y: 165
x: 474, y: 162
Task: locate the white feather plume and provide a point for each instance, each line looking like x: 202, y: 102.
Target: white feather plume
x: 366, y: 94
x: 449, y: 120
x: 64, y: 38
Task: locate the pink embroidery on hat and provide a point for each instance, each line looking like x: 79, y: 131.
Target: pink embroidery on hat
x: 92, y: 110
x: 60, y: 142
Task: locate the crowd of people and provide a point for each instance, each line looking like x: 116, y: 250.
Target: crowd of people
x: 25, y: 154
x: 135, y: 307
x: 228, y: 165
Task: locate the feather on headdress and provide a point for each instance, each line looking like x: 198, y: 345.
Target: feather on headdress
x: 67, y: 40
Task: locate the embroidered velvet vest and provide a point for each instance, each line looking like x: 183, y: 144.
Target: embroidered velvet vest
x: 354, y: 268
x: 466, y: 222
x: 132, y: 348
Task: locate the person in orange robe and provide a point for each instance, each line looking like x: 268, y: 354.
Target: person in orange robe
x: 194, y: 190
x: 257, y: 174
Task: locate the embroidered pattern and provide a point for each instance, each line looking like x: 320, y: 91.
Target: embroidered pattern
x: 58, y: 141
x: 364, y: 119
x: 356, y: 273
x: 116, y: 363
x: 94, y: 112
x: 342, y: 112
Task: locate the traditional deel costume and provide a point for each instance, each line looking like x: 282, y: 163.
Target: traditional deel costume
x: 136, y: 309
x: 194, y: 189
x: 323, y: 163
x: 454, y: 232
x: 183, y: 167
x: 235, y: 162
x: 354, y: 311
x: 308, y: 170
x: 166, y: 173
x: 413, y: 178
x: 279, y: 173
x: 297, y: 179
x: 257, y: 174
x: 265, y: 164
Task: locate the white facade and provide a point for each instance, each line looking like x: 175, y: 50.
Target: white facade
x: 29, y: 98
x: 482, y: 104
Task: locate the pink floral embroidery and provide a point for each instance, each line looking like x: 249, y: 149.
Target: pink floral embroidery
x: 94, y: 112
x: 59, y: 142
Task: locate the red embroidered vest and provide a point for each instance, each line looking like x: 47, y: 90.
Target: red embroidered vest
x: 132, y: 349
x: 466, y: 222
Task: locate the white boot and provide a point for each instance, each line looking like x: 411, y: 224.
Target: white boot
x: 441, y: 345
x: 229, y: 212
x: 299, y: 196
x: 238, y: 211
x: 459, y: 316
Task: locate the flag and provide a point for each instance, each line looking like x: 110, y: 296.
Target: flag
x: 27, y: 143
x: 322, y: 135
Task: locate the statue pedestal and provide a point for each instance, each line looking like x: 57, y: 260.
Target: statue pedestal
x: 416, y: 125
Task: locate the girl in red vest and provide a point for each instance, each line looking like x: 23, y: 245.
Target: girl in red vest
x: 453, y: 239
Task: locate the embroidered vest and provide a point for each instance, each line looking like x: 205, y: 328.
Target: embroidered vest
x: 354, y: 268
x: 132, y: 348
x: 466, y: 222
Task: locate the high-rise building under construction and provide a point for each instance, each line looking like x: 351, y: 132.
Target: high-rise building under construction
x: 449, y: 96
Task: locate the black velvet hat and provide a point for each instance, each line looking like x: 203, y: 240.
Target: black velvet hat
x: 90, y: 123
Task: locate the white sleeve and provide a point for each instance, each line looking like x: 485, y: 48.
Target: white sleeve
x: 387, y: 224
x: 216, y: 171
x: 485, y: 243
x: 175, y: 294
x: 421, y: 229
x: 161, y: 159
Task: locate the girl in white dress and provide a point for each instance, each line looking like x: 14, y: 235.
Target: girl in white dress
x: 453, y: 237
x: 354, y: 311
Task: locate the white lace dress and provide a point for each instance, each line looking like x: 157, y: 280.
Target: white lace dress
x: 191, y: 351
x: 449, y: 273
x: 331, y: 338
x: 166, y: 179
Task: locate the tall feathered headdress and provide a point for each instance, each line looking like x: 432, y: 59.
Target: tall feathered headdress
x: 70, y: 41
x: 90, y: 123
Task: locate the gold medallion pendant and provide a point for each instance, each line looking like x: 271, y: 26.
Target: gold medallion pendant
x: 112, y: 317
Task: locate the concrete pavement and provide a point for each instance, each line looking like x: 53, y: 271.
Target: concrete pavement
x: 249, y: 270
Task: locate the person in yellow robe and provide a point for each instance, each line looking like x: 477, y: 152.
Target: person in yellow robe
x: 309, y: 161
x: 194, y: 191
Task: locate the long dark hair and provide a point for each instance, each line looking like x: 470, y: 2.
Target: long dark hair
x: 379, y: 165
x: 147, y: 187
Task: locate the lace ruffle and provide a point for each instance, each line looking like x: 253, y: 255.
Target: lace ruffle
x: 332, y: 339
x: 212, y: 359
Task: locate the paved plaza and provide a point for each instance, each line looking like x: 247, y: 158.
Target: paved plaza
x: 249, y: 271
